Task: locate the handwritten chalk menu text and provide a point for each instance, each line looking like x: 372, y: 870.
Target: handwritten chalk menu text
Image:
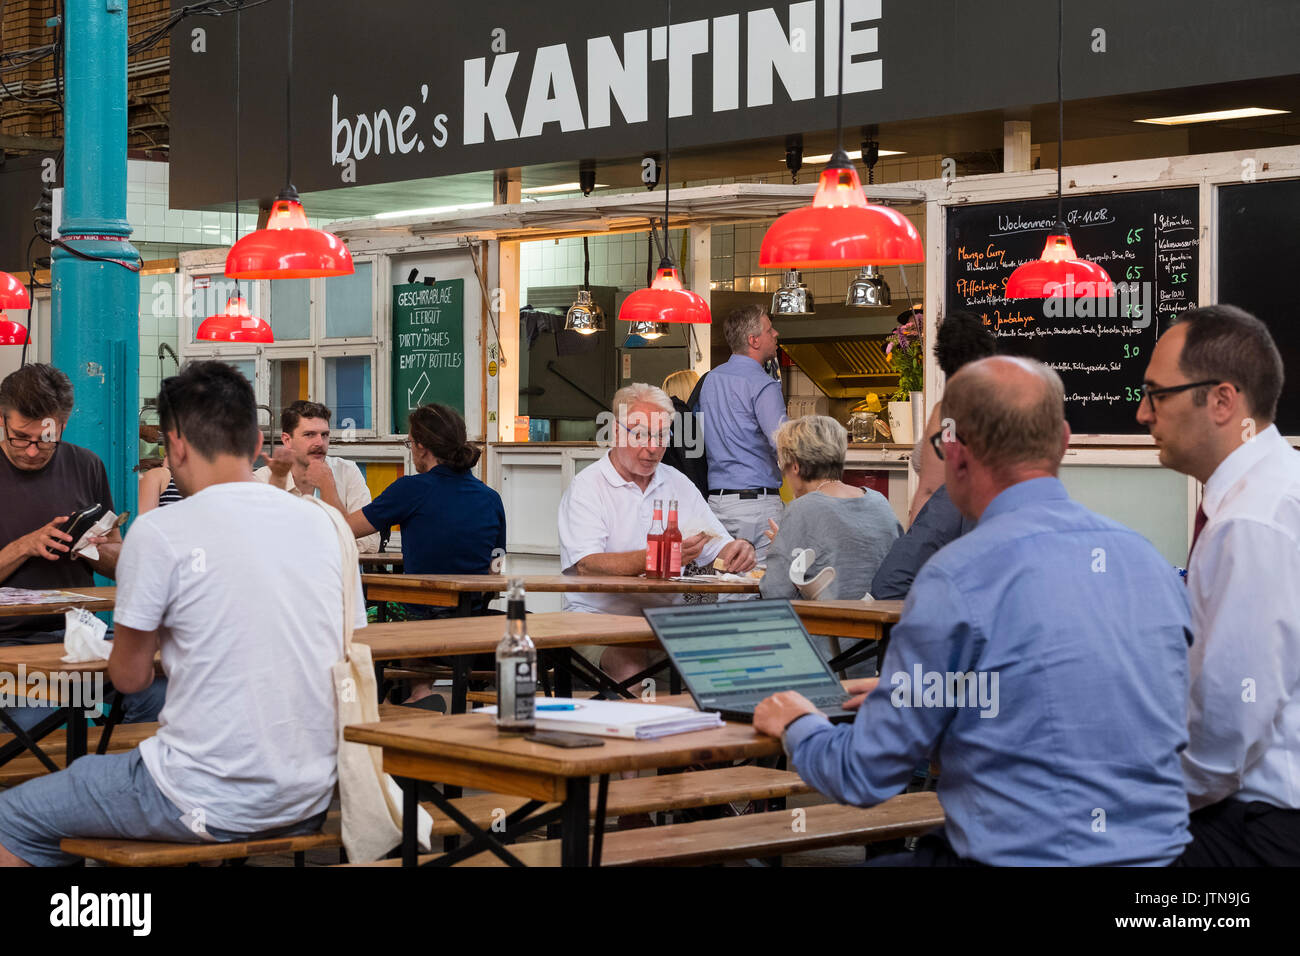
x: 1146, y: 241
x: 428, y: 346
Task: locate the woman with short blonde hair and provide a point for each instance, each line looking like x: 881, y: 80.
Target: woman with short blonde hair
x: 851, y: 529
x: 681, y: 383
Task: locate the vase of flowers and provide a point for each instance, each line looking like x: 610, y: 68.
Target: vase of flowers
x: 905, y: 352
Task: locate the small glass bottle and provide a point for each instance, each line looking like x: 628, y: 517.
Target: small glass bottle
x: 653, y: 569
x: 671, y: 553
x: 516, y: 668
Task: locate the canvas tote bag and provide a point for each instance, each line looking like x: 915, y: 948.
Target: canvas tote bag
x: 371, y: 800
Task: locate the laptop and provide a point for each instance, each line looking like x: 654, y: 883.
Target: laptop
x: 732, y: 655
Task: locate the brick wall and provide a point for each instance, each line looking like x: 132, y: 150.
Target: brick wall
x: 148, y: 95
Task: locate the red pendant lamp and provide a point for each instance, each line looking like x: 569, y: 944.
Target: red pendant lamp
x: 840, y: 228
x: 666, y: 300
x: 235, y: 324
x: 13, y: 295
x: 1059, y: 271
x: 288, y: 248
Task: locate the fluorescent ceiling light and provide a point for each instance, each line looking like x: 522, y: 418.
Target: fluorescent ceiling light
x: 1213, y: 117
x: 431, y: 210
x: 560, y: 188
x: 856, y: 154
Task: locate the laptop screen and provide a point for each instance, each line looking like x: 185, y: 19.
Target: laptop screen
x: 740, y: 649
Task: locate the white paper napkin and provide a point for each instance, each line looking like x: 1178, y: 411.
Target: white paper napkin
x: 83, y: 637
x: 100, y: 527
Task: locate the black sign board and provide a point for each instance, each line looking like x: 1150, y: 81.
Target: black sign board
x: 1257, y: 223
x: 406, y: 89
x: 1148, y: 243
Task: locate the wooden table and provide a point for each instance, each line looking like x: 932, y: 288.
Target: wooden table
x: 867, y: 622
x: 30, y: 660
x: 96, y: 599
x: 457, y: 590
x: 467, y: 751
x: 555, y: 634
x: 380, y: 559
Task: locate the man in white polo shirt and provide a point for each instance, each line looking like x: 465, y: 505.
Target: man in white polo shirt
x: 302, y: 465
x: 608, y: 509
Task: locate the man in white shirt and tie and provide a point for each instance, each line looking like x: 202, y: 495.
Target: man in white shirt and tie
x: 1211, y: 394
x: 302, y: 465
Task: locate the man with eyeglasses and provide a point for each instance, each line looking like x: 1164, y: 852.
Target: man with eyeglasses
x: 1210, y: 401
x: 43, y: 482
x: 608, y: 508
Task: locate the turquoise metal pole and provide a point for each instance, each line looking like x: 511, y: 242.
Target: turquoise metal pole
x: 95, y: 322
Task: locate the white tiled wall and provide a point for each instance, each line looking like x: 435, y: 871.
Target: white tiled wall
x: 158, y: 324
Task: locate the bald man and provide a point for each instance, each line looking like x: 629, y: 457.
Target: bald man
x: 1042, y: 658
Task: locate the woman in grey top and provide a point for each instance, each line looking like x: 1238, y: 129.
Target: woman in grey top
x: 850, y: 529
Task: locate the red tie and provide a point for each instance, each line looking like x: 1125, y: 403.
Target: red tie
x: 1197, y: 528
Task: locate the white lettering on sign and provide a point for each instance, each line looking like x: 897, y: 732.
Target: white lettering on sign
x: 780, y: 45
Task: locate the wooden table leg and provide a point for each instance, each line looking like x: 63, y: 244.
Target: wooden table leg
x: 574, y: 824
x: 410, y: 821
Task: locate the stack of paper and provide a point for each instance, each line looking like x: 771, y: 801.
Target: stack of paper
x: 614, y: 718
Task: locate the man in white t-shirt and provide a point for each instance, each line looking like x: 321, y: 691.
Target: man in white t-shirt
x: 302, y: 465
x: 608, y: 508
x: 241, y: 591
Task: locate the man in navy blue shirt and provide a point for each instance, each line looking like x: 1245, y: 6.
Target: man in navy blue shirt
x: 1041, y: 658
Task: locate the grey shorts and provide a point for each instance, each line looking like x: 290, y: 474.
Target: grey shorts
x: 102, y: 797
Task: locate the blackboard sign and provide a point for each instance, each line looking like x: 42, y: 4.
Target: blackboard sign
x: 428, y: 347
x: 1257, y: 223
x: 1147, y: 241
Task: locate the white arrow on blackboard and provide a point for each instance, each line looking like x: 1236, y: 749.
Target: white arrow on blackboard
x: 413, y: 403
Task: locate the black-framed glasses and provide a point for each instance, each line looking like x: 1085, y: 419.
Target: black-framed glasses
x: 21, y: 444
x: 1149, y: 394
x: 937, y: 442
x: 406, y: 443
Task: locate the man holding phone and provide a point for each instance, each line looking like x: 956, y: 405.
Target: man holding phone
x: 44, y: 483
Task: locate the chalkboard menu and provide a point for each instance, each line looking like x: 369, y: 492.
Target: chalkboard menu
x: 1147, y: 242
x: 1257, y: 223
x: 428, y: 347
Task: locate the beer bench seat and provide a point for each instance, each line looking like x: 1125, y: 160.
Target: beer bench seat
x: 678, y: 791
x: 156, y: 853
x: 758, y: 835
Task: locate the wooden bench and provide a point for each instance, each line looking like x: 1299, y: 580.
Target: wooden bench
x: 151, y: 853
x: 678, y: 791
x: 756, y: 835
x: 118, y: 852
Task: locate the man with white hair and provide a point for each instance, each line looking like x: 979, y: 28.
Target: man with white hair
x: 741, y: 407
x: 608, y: 509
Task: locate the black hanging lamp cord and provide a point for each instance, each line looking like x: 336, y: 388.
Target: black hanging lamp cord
x: 665, y: 253
x: 839, y: 158
x: 289, y: 192
x: 1060, y: 110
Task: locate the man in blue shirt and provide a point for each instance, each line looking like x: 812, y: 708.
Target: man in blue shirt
x: 1041, y: 658
x: 741, y: 407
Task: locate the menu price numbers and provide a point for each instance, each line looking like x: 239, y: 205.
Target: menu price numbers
x: 1132, y: 351
x: 1178, y: 278
x: 1133, y: 272
x: 1132, y: 394
x: 1134, y: 235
